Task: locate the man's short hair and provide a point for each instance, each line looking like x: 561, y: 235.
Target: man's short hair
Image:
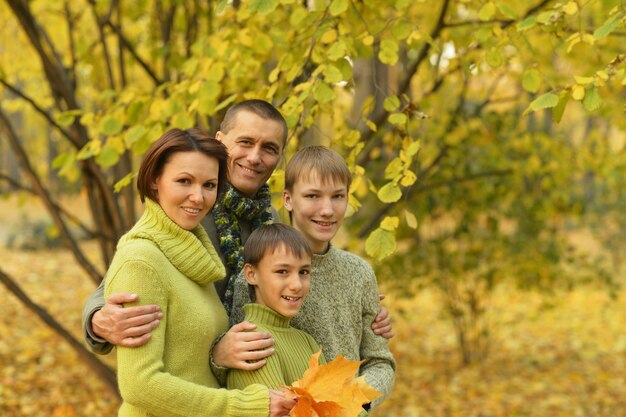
x: 261, y: 108
x: 317, y: 160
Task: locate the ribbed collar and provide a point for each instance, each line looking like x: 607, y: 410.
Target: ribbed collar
x: 320, y: 258
x: 190, y: 251
x: 260, y: 314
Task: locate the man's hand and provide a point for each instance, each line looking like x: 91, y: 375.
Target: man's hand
x: 242, y: 349
x: 125, y: 326
x: 382, y: 323
x: 279, y: 405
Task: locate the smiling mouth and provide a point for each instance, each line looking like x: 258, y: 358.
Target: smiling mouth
x: 248, y: 170
x: 292, y: 299
x: 324, y: 224
x: 191, y: 210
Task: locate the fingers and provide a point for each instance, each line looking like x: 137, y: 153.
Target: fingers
x: 135, y: 341
x: 121, y: 298
x: 126, y: 326
x: 244, y: 326
x: 381, y: 297
x: 279, y: 405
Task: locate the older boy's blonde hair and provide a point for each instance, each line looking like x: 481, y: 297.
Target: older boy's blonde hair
x: 320, y: 160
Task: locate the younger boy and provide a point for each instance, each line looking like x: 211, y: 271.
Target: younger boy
x: 277, y: 267
x: 343, y: 299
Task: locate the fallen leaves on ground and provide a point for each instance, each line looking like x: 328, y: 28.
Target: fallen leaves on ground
x: 562, y: 357
x: 330, y: 390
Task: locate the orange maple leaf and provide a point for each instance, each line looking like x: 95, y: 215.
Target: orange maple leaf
x: 330, y: 390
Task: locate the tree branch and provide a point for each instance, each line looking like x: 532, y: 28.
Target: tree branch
x: 104, y: 371
x: 41, y: 111
x: 133, y: 52
x: 24, y: 163
x: 72, y: 219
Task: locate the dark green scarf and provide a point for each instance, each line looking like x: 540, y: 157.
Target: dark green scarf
x: 232, y: 206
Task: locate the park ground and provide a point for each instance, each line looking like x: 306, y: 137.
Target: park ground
x: 549, y: 355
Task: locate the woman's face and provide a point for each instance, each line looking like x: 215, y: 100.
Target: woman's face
x: 187, y: 188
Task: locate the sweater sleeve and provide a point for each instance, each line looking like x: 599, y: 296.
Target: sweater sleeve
x: 379, y: 366
x: 142, y: 380
x: 94, y: 303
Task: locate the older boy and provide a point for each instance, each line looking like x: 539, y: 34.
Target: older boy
x: 277, y: 269
x: 343, y: 299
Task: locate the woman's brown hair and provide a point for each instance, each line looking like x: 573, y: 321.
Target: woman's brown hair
x: 174, y: 141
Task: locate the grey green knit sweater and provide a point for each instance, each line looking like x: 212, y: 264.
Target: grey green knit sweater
x: 338, y: 313
x: 293, y: 347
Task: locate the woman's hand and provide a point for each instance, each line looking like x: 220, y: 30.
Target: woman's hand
x: 240, y: 348
x: 279, y: 405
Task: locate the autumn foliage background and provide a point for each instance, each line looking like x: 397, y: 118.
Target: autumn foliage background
x: 487, y: 140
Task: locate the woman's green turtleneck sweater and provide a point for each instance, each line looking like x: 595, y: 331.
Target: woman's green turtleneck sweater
x: 175, y: 268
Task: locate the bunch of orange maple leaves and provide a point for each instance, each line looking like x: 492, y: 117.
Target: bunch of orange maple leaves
x: 330, y: 390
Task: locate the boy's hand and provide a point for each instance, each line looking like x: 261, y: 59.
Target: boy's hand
x: 240, y: 348
x: 125, y: 326
x: 382, y: 323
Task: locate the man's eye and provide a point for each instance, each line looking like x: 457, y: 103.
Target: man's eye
x: 310, y: 196
x: 339, y: 196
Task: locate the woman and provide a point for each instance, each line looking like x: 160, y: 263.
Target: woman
x: 168, y: 260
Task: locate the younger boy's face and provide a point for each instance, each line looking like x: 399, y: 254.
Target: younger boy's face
x: 317, y: 209
x: 282, y: 280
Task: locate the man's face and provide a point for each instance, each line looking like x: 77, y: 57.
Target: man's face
x: 254, y: 146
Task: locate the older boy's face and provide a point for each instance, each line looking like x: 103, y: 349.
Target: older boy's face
x: 282, y: 280
x: 317, y: 209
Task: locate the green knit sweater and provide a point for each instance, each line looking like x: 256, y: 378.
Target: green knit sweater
x: 293, y: 347
x: 338, y: 313
x: 169, y: 376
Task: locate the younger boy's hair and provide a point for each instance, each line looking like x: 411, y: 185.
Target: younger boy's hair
x: 320, y: 160
x: 267, y: 239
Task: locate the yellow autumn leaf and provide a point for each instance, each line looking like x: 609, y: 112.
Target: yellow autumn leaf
x: 390, y: 223
x: 578, y: 92
x: 330, y: 390
x: 571, y: 8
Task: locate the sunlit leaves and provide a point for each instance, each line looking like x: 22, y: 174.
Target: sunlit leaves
x: 262, y: 6
x: 388, y: 52
x: 487, y: 11
x: 110, y: 126
x: 323, y: 93
x: 380, y: 244
x: 531, y: 81
x: 125, y: 181
x: 559, y: 109
x: 544, y: 101
x: 389, y: 193
x: 337, y: 7
x: 592, y: 100
x: 527, y: 23
x: 390, y: 223
x: 571, y: 8
x: 410, y: 219
x: 609, y: 26
x: 67, y: 118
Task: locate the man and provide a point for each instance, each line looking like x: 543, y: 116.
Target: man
x: 255, y: 134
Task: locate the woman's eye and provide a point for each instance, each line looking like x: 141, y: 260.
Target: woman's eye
x: 210, y: 185
x: 184, y: 181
